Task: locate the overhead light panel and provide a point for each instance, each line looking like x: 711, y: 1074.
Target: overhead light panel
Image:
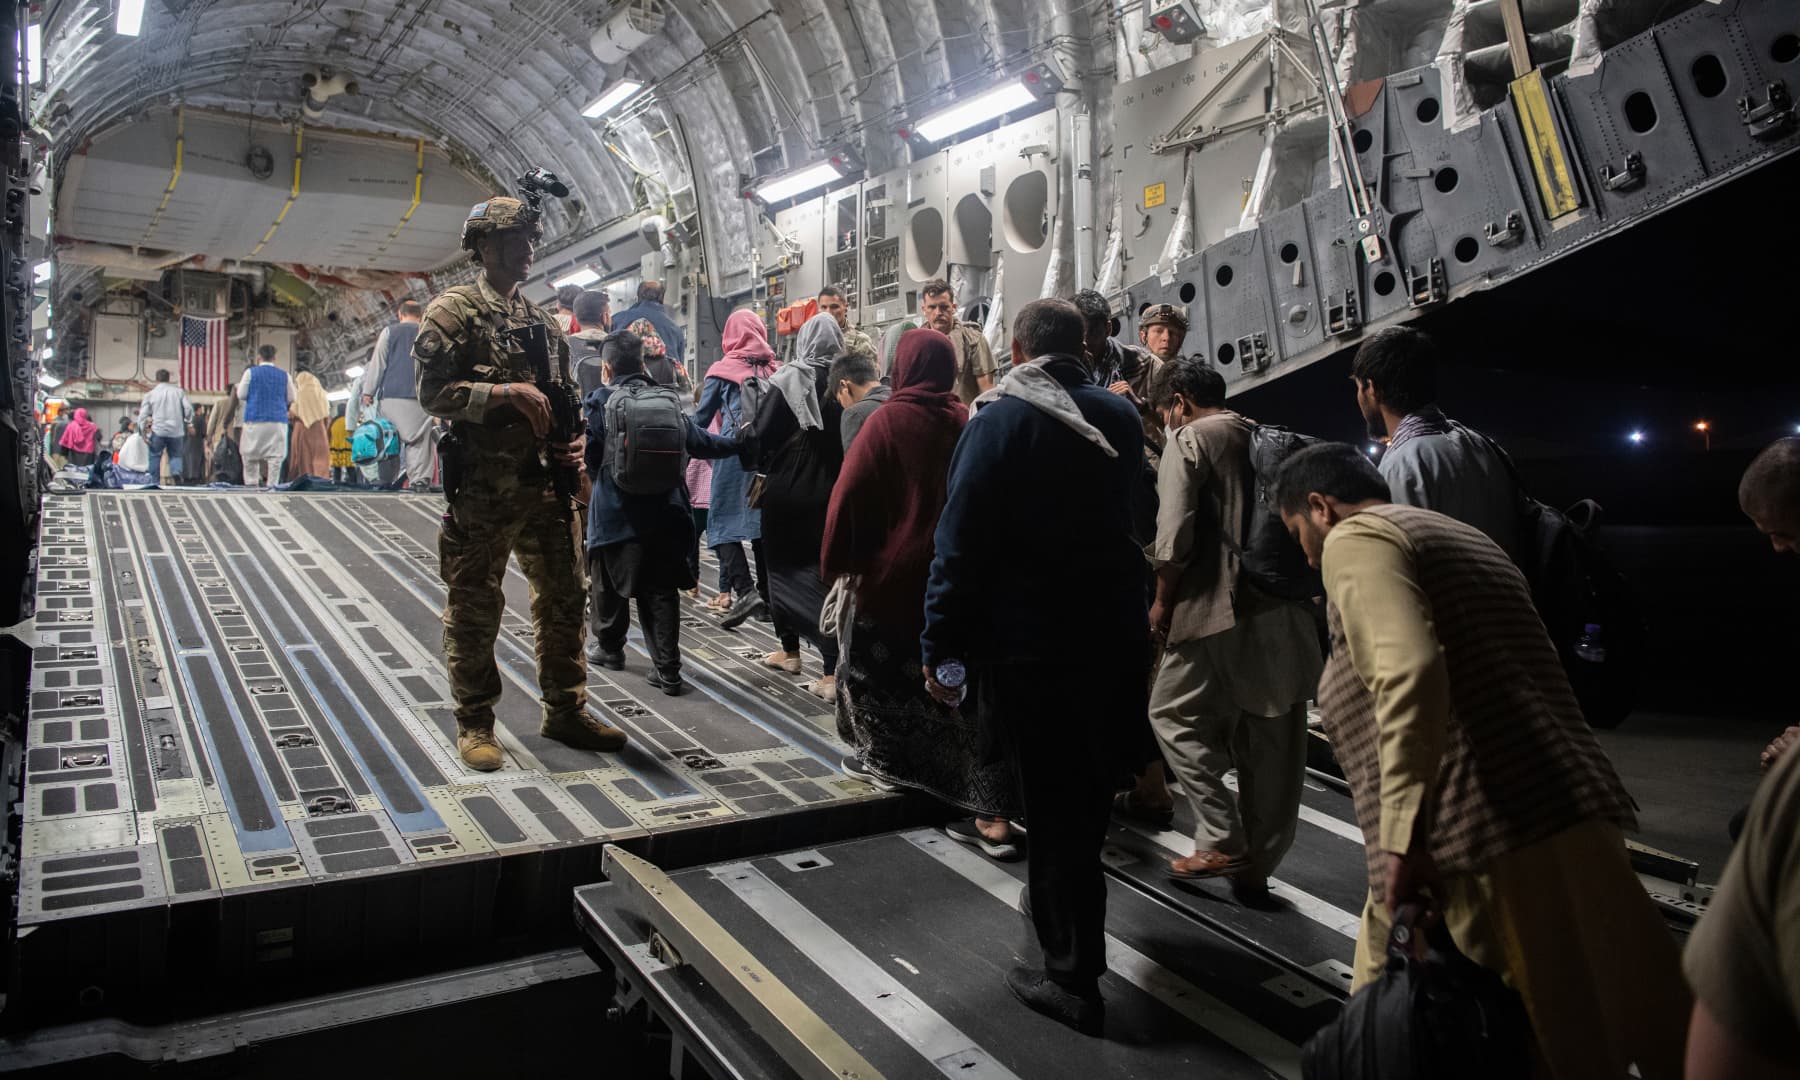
x: 581, y: 278
x: 131, y: 17
x: 339, y: 395
x: 42, y: 271
x: 785, y: 186
x: 48, y: 381
x: 614, y: 96
x: 1040, y: 82
x: 34, y: 53
x: 48, y: 353
x: 354, y: 371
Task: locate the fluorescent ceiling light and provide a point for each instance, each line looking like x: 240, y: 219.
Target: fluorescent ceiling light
x: 34, y: 52
x: 786, y: 187
x: 354, y: 371
x: 613, y: 97
x: 48, y: 381
x: 979, y: 109
x: 131, y: 17
x: 48, y: 353
x: 42, y: 271
x: 339, y: 395
x: 581, y: 277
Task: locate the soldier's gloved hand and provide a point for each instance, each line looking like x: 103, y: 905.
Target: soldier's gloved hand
x: 530, y: 403
x: 569, y: 453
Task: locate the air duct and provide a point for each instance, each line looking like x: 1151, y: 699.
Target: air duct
x: 629, y: 27
x: 322, y: 84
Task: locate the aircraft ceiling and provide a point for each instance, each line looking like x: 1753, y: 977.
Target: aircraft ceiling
x: 748, y: 86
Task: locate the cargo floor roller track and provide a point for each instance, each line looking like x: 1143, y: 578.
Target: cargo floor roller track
x: 240, y: 742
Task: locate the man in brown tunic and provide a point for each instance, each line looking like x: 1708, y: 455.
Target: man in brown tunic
x: 1478, y: 785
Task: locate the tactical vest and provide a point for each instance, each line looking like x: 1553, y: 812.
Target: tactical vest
x: 397, y: 363
x: 267, y: 402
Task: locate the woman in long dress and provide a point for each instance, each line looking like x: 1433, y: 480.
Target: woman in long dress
x: 802, y: 448
x: 309, y: 452
x: 883, y: 515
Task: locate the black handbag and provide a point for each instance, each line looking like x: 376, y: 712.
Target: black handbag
x: 1434, y: 1014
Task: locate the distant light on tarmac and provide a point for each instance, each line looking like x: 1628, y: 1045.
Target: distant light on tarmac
x: 1636, y: 436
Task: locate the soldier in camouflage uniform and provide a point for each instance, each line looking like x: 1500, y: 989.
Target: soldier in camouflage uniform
x: 856, y: 343
x: 479, y: 380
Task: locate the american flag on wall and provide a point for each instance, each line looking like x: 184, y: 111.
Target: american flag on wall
x: 205, y: 357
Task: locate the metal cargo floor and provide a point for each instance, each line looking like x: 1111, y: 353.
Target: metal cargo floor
x: 899, y: 943
x: 238, y: 699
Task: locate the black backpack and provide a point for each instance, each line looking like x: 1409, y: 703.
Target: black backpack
x: 1269, y: 557
x: 646, y: 439
x: 1575, y: 585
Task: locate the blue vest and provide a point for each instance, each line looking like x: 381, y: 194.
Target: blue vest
x: 267, y: 401
x: 397, y: 363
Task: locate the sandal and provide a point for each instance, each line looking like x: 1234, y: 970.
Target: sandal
x: 1125, y: 805
x: 1207, y: 864
x: 721, y: 602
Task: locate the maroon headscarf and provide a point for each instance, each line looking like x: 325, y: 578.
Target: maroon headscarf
x: 885, y: 506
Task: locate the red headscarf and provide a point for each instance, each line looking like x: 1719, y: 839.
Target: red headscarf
x: 747, y: 351
x: 885, y: 506
x: 81, y: 433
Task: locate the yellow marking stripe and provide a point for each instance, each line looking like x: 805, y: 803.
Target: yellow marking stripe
x: 293, y: 193
x: 1544, y: 146
x: 418, y: 192
x: 174, y: 177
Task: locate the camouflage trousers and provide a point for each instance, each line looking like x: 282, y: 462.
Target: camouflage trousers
x: 499, y: 512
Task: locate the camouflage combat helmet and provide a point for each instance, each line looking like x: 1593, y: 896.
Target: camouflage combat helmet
x: 496, y: 214
x: 1163, y: 315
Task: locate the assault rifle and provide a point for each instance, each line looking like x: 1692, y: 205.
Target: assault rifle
x: 566, y: 424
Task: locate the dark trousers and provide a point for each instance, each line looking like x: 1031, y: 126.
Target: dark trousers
x: 659, y: 616
x: 1051, y: 720
x: 734, y: 568
x: 700, y: 514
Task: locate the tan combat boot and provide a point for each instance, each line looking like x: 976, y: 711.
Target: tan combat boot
x: 583, y: 731
x: 479, y: 749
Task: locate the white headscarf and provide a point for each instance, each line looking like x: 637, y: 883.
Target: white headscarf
x: 819, y: 343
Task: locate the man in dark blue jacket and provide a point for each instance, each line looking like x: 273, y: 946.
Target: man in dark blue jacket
x: 638, y: 544
x: 650, y: 306
x: 1037, y: 590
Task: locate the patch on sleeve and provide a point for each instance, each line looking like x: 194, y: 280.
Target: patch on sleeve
x: 429, y: 345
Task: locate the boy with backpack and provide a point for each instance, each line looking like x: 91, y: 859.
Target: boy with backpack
x: 640, y: 525
x: 1240, y: 654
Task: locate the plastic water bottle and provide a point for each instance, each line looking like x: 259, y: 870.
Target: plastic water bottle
x: 1589, y: 646
x: 952, y: 675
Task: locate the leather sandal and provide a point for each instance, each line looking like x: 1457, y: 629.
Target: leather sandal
x: 1206, y: 864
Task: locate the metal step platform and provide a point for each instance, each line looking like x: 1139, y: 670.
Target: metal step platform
x: 885, y: 956
x: 241, y: 768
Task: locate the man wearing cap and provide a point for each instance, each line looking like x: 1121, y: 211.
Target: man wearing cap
x: 473, y: 371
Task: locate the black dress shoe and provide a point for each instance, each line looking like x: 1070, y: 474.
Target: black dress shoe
x: 741, y: 609
x: 670, y: 686
x: 613, y: 661
x: 1085, y: 1013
